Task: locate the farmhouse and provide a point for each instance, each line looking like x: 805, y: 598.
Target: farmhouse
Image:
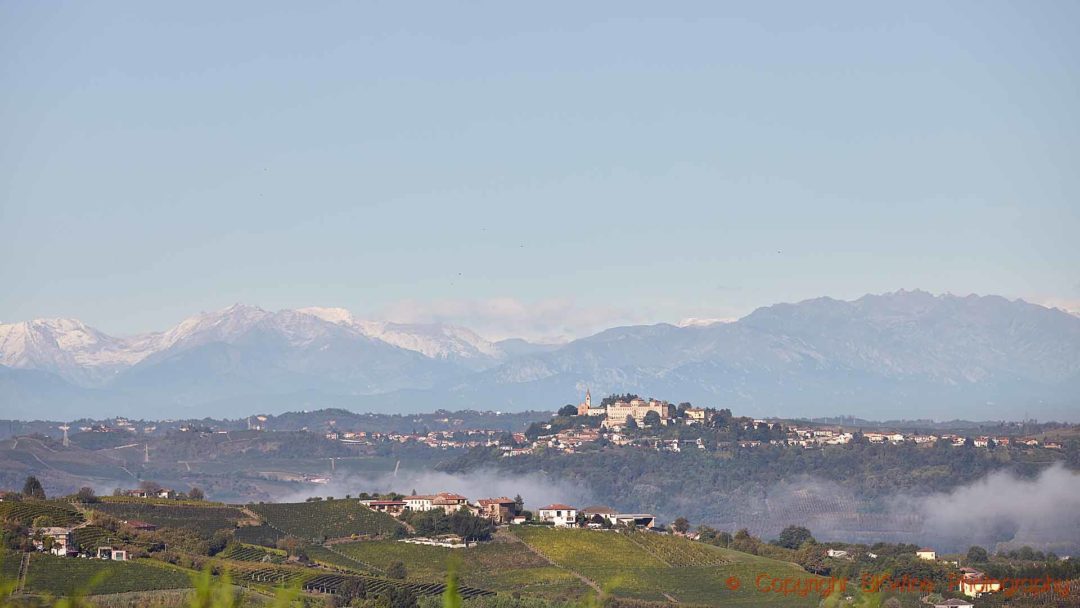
x: 561, y: 515
x: 926, y: 553
x: 57, y: 540
x: 114, y: 554
x: 449, y: 502
x: 500, y: 510
x: 393, y: 507
x: 419, y: 502
x: 836, y: 553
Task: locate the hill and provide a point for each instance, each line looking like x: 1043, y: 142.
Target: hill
x: 568, y: 564
x: 908, y: 351
x: 326, y: 519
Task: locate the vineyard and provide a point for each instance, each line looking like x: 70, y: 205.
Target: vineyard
x: 88, y: 539
x: 629, y: 566
x: 677, y: 551
x: 322, y: 581
x: 253, y: 553
x: 59, y: 513
x: 500, y: 566
x: 259, y: 535
x: 65, y: 576
x: 205, y: 520
x: 326, y: 519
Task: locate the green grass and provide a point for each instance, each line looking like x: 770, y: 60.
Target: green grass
x: 499, y: 566
x: 62, y: 576
x: 326, y: 519
x: 204, y: 519
x: 623, y: 566
x: 60, y: 513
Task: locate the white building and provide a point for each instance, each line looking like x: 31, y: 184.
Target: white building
x: 562, y: 516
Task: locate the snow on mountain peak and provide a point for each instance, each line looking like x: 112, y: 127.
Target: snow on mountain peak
x: 340, y: 316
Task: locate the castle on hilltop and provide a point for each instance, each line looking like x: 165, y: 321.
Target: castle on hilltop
x: 615, y: 413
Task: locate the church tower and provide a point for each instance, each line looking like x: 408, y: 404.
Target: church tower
x: 588, y: 398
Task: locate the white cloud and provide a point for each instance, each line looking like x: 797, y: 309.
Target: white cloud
x: 550, y: 320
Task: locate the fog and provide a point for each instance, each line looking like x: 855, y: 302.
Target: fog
x: 537, y: 489
x: 999, y: 511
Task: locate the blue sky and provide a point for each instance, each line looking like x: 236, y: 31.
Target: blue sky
x: 542, y: 170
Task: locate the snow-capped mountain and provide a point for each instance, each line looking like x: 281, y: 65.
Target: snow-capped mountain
x: 66, y: 347
x: 900, y: 354
x: 433, y: 340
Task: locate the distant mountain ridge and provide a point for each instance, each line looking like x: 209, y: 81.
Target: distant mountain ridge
x: 907, y: 352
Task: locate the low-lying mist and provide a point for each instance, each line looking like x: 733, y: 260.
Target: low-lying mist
x: 998, y: 511
x: 537, y: 489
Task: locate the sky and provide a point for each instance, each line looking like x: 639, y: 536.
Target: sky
x: 543, y: 170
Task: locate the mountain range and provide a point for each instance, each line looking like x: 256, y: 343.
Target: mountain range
x: 907, y: 354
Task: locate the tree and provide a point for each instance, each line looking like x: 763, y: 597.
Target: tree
x: 86, y: 495
x: 630, y: 422
x: 793, y: 537
x: 519, y: 504
x: 32, y: 488
x: 397, y: 570
x: 977, y: 555
x: 681, y: 525
x: 41, y: 521
x: 652, y: 418
x: 568, y: 410
x: 196, y: 494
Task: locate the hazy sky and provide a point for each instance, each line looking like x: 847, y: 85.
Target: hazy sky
x: 543, y: 169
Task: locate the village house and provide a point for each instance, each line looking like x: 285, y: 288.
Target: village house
x: 449, y: 502
x: 119, y: 555
x: 58, y: 540
x: 974, y: 583
x: 837, y: 553
x: 927, y: 554
x: 499, y: 510
x: 392, y: 507
x: 696, y: 415
x: 563, y: 516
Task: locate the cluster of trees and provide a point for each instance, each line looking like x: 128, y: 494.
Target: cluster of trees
x: 437, y: 522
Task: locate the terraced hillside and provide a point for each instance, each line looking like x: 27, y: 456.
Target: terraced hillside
x: 504, y: 565
x: 204, y: 519
x: 667, y: 569
x: 64, y: 576
x: 60, y: 513
x: 325, y: 519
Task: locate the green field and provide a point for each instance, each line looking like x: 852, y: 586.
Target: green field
x: 631, y: 566
x: 504, y: 565
x: 326, y: 519
x: 64, y: 576
x: 59, y: 512
x: 204, y: 519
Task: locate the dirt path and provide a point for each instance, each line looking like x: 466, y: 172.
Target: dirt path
x: 547, y: 559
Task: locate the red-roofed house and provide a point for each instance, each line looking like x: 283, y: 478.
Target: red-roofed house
x: 449, y: 502
x: 561, y: 515
x: 499, y: 510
